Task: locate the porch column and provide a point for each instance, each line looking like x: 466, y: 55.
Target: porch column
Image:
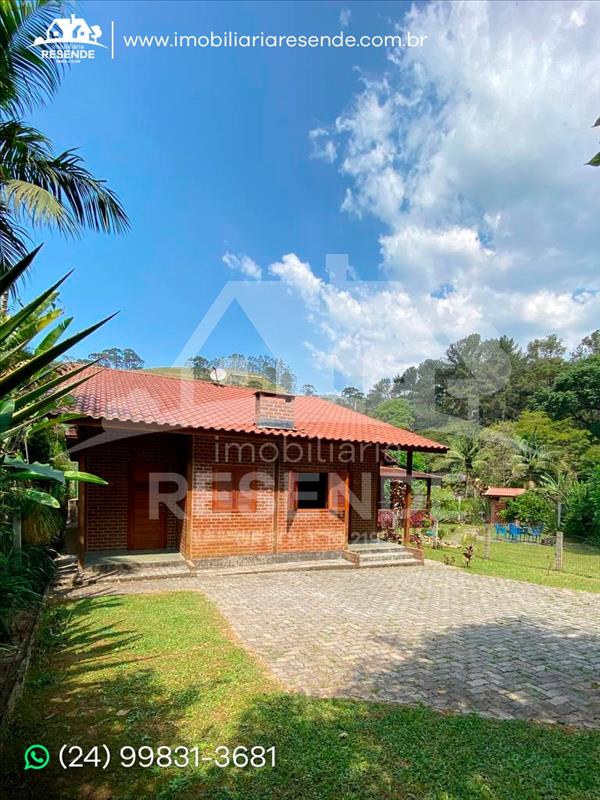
x: 428, y: 498
x: 408, y: 497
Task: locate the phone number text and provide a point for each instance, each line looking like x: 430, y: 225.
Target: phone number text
x: 100, y: 756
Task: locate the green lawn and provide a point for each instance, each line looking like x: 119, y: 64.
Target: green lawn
x: 164, y: 670
x: 532, y: 562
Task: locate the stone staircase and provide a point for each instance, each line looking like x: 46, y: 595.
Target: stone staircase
x: 377, y: 553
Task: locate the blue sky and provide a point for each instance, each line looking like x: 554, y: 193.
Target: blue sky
x: 209, y: 152
x: 452, y: 176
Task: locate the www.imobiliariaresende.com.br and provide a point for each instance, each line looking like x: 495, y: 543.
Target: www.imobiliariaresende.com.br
x: 233, y: 39
x: 72, y: 39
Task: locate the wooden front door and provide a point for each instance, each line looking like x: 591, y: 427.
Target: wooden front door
x: 145, y: 533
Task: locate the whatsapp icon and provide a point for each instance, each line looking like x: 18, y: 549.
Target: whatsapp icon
x: 37, y: 756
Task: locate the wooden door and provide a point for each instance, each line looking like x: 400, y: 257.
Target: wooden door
x: 145, y: 533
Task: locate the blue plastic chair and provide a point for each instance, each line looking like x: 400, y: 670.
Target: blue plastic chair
x: 515, y: 530
x: 537, y: 531
x: 500, y: 529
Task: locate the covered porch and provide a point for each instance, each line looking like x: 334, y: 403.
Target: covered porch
x: 404, y: 493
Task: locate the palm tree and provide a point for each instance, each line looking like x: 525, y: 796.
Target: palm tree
x: 464, y: 454
x: 557, y: 488
x: 532, y: 461
x: 37, y: 185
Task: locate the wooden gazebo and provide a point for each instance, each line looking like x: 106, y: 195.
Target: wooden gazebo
x: 499, y: 497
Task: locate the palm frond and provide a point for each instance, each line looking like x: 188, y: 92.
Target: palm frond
x: 88, y: 199
x: 13, y: 245
x: 35, y: 204
x: 80, y: 199
x: 26, y: 78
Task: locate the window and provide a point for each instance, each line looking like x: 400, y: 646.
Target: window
x: 312, y: 490
x: 234, y: 489
x: 317, y: 490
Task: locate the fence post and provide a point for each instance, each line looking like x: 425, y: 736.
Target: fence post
x: 558, y: 552
x: 487, y: 538
x: 435, y: 541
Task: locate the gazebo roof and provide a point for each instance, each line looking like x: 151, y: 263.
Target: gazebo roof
x: 503, y: 491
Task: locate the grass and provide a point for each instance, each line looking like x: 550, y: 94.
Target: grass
x: 163, y: 669
x: 533, y: 563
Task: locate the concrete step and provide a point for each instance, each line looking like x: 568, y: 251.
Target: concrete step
x: 383, y: 549
x: 282, y: 566
x: 388, y: 557
x: 407, y: 562
x: 145, y: 572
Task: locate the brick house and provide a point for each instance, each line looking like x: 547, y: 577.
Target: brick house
x: 221, y: 472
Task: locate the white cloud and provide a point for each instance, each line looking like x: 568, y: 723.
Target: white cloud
x: 371, y: 332
x: 298, y: 276
x: 345, y: 16
x: 322, y: 145
x: 470, y: 152
x: 244, y: 264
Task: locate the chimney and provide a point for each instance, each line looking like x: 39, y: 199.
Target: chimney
x: 274, y: 410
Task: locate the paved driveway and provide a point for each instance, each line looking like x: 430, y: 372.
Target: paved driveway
x: 431, y: 635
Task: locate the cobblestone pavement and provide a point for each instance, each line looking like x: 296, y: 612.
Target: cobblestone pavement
x: 430, y: 635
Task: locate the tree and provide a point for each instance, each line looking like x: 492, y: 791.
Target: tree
x: 475, y: 371
x: 352, y: 397
x: 588, y: 346
x: 118, y: 358
x: 200, y: 368
x: 532, y: 461
x: 530, y: 509
x: 576, y: 393
x: 397, y: 412
x: 378, y: 393
x: 39, y: 186
x: 309, y: 390
x: 464, y: 454
x: 582, y: 517
x: 566, y: 440
x: 259, y: 372
x: 542, y: 361
x: 405, y: 383
x: 494, y: 466
x: 557, y: 488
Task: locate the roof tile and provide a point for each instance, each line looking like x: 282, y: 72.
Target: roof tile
x: 140, y: 397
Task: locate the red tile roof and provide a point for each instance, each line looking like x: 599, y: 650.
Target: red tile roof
x: 503, y: 491
x: 140, y: 397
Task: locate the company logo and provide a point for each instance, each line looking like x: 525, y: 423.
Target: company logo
x: 70, y: 39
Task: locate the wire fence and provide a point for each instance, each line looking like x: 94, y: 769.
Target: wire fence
x: 581, y: 557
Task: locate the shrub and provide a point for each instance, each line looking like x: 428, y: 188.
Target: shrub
x: 23, y: 577
x: 582, y: 516
x: 530, y: 508
x: 385, y: 519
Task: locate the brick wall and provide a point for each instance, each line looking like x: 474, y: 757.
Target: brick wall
x: 272, y: 528
x: 106, y: 507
